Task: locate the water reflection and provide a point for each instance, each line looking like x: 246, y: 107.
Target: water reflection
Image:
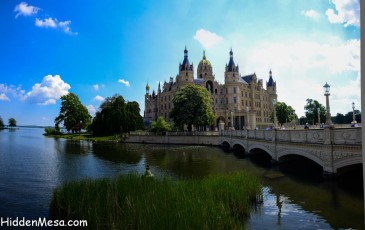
x: 39, y: 165
x: 117, y: 153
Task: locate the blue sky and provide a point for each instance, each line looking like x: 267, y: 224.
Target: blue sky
x: 99, y: 48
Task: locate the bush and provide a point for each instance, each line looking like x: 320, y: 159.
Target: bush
x: 52, y: 131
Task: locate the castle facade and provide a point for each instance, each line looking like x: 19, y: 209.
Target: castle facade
x: 241, y: 102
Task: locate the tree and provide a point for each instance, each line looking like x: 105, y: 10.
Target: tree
x: 192, y: 106
x: 73, y: 114
x: 1, y: 122
x: 285, y: 113
x: 311, y: 111
x: 348, y: 118
x: 160, y: 125
x: 116, y: 116
x: 12, y: 122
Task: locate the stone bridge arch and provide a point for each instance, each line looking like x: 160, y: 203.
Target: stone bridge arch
x: 240, y: 143
x: 264, y: 148
x: 348, y: 161
x: 306, y: 154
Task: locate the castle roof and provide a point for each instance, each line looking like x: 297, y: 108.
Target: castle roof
x: 186, y: 64
x: 204, y: 61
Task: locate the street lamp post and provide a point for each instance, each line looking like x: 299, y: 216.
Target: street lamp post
x: 353, y: 114
x: 319, y: 117
x: 275, y: 118
x: 326, y: 88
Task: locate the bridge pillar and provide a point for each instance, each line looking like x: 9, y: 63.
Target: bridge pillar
x: 328, y: 175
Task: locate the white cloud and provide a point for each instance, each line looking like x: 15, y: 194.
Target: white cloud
x: 207, y: 39
x: 98, y: 98
x: 301, y: 69
x: 48, y: 22
x: 24, y: 9
x: 312, y: 14
x: 96, y: 87
x: 124, y: 82
x: 54, y: 23
x: 311, y: 55
x: 48, y: 102
x: 348, y: 12
x: 91, y: 109
x: 3, y: 97
x: 48, y: 91
x: 12, y: 90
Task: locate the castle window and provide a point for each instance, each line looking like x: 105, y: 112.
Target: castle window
x: 234, y: 90
x: 216, y: 91
x: 234, y: 100
x: 186, y: 74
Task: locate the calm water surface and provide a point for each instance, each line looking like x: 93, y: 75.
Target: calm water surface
x: 32, y: 165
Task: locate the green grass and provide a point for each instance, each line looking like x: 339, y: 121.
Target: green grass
x: 132, y: 202
x: 86, y: 136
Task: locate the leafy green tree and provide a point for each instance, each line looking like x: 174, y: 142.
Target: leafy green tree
x: 311, y: 111
x: 116, y: 116
x: 160, y: 125
x: 12, y: 122
x: 1, y: 122
x: 73, y: 114
x: 339, y: 119
x: 192, y: 106
x: 285, y: 113
x: 348, y: 118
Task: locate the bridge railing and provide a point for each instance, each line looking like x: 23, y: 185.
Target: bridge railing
x: 315, y: 136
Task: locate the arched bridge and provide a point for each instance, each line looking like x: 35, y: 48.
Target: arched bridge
x: 331, y: 148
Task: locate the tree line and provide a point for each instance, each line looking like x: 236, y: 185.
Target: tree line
x: 191, y: 107
x: 11, y: 122
x: 115, y: 116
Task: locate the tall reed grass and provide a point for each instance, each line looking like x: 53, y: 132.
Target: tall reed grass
x: 132, y: 202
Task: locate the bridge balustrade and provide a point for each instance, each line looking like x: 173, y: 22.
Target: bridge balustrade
x: 310, y: 136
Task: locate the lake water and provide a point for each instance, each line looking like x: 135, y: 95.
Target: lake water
x: 32, y: 165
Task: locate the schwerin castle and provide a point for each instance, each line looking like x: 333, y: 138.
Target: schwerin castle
x: 241, y: 102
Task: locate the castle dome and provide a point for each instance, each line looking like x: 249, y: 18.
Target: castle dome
x: 204, y: 61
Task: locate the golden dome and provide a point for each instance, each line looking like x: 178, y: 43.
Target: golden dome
x: 204, y: 61
x: 147, y: 87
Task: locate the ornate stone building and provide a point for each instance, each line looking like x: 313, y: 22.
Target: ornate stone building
x: 240, y: 103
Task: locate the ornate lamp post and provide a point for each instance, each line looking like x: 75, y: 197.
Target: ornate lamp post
x: 326, y: 88
x: 319, y: 117
x: 275, y: 118
x: 353, y: 114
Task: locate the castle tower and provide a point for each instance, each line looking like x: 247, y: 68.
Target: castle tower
x: 271, y: 84
x: 205, y: 73
x: 186, y: 71
x: 231, y: 73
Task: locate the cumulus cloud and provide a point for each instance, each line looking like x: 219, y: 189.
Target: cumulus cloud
x: 48, y: 91
x: 54, y: 23
x: 310, y: 55
x: 98, y: 98
x: 24, y: 9
x: 312, y: 14
x: 48, y: 102
x: 11, y: 90
x: 124, y: 82
x: 91, y: 109
x: 3, y: 97
x: 304, y: 66
x: 348, y: 12
x: 207, y: 39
